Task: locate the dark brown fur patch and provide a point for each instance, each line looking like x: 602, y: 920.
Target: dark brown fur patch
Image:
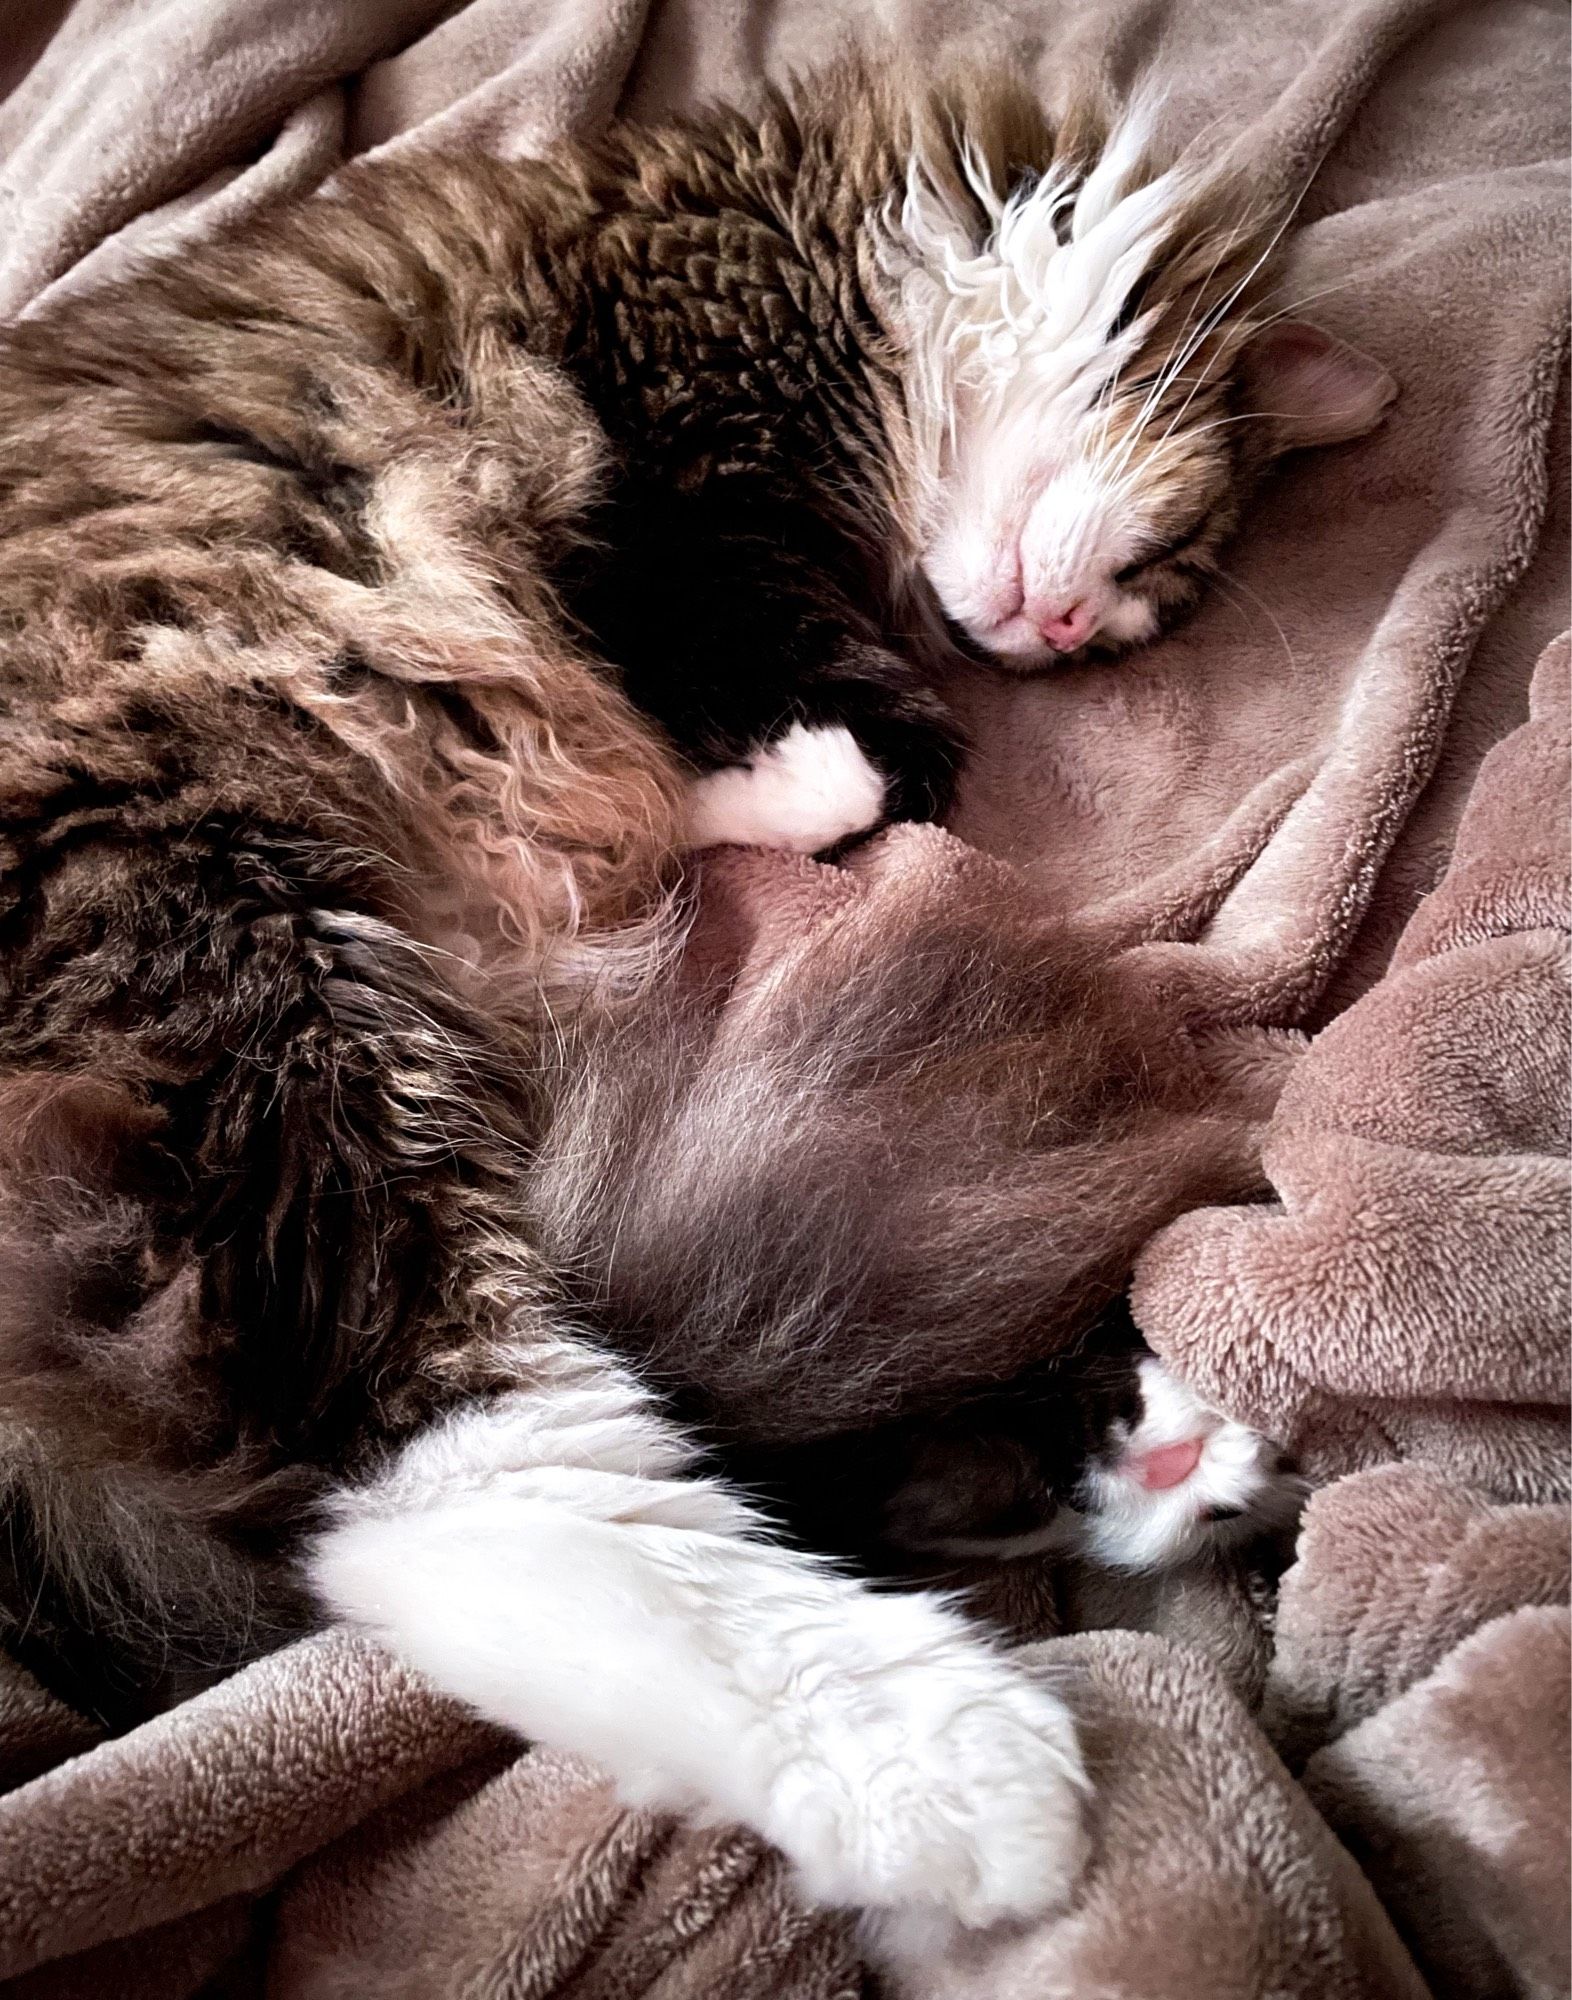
x: 915, y: 1157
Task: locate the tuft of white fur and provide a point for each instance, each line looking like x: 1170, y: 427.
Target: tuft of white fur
x: 1126, y: 1526
x: 1023, y: 319
x: 804, y: 791
x: 545, y: 1559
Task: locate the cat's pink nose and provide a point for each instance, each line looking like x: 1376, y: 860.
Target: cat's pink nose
x: 1067, y: 626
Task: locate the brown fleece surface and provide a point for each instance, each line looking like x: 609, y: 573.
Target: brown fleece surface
x: 1454, y: 1800
x: 1407, y: 1293
x: 1396, y: 1568
x: 1326, y: 808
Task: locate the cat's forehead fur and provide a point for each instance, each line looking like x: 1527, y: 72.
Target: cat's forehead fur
x: 1056, y: 306
x: 1065, y: 285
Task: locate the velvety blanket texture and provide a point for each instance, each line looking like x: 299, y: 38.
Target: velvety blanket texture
x: 1327, y: 821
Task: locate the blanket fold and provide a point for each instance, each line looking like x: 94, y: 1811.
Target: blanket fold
x: 1453, y: 1799
x: 1324, y: 826
x: 218, y: 1797
x: 1410, y: 1289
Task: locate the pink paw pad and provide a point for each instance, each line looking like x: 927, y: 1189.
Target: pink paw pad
x: 1169, y: 1465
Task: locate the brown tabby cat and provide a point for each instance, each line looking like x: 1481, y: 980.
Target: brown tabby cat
x: 374, y: 585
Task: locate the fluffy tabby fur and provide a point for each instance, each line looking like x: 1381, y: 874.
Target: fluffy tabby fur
x: 372, y: 583
x: 915, y: 1155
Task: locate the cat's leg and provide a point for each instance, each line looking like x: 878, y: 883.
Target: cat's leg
x: 768, y: 674
x: 901, y: 726
x: 805, y: 790
x: 548, y: 1556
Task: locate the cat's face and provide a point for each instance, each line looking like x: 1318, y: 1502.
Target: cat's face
x: 1093, y: 380
x: 1055, y: 536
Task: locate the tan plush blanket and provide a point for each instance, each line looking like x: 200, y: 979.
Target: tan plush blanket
x: 1329, y: 817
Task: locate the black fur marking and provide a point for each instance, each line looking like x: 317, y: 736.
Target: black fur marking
x: 1125, y: 317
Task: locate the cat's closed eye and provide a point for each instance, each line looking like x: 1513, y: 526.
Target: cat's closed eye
x: 1069, y: 411
x: 1167, y: 551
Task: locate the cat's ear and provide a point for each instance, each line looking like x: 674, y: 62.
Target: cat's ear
x: 1311, y: 387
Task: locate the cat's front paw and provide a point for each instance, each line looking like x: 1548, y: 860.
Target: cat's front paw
x: 805, y: 791
x: 945, y: 1789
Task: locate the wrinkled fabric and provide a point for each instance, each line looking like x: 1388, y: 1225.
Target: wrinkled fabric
x: 1327, y: 820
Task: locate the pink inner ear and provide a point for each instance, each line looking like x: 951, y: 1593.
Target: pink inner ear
x: 1315, y: 388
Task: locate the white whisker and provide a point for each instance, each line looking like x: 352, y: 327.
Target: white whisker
x: 1019, y: 342
x: 1222, y: 579
x: 1271, y: 245
x: 1169, y: 373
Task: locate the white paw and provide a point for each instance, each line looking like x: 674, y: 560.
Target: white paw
x: 940, y: 1784
x: 803, y: 792
x: 1185, y: 1477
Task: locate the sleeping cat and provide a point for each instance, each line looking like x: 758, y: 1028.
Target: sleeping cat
x: 388, y: 591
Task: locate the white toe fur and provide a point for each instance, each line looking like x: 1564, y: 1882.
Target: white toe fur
x: 1126, y: 1525
x: 929, y: 1777
x: 544, y: 1558
x: 803, y: 792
